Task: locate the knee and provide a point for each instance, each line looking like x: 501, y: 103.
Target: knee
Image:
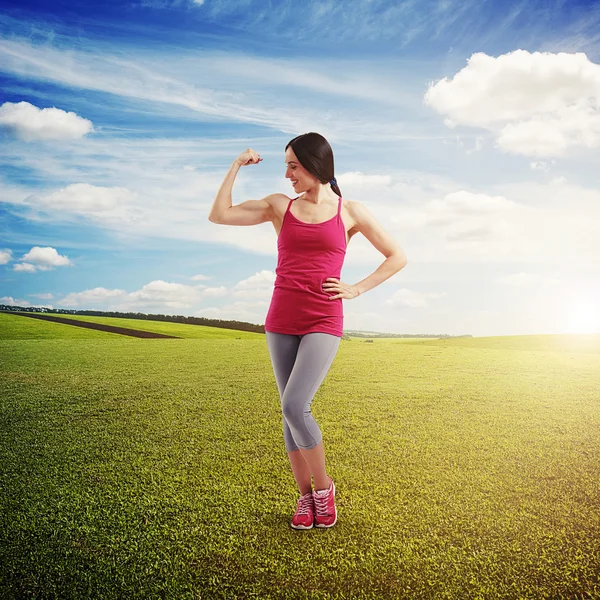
x: 292, y: 411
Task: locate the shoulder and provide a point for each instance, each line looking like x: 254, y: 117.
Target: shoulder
x: 349, y: 205
x: 356, y: 210
x: 277, y: 200
x: 279, y: 203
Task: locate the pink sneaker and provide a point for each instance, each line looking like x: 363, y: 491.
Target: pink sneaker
x: 325, y: 511
x: 303, y: 519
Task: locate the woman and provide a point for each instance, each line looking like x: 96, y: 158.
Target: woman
x: 304, y: 322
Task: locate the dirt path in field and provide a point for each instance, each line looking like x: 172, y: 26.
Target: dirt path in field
x: 99, y: 326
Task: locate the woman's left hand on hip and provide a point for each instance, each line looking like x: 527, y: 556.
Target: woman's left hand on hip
x: 331, y: 284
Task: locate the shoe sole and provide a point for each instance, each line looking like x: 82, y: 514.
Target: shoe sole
x: 301, y: 526
x: 322, y: 525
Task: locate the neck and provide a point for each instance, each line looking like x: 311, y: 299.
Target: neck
x: 319, y: 194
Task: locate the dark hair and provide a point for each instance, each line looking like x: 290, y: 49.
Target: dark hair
x: 316, y: 156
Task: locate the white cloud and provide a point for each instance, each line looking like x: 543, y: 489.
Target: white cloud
x: 540, y: 165
x: 103, y: 204
x: 164, y: 293
x: 555, y: 224
x: 32, y: 123
x: 357, y: 178
x: 479, y: 142
x: 10, y: 301
x: 406, y: 298
x: 217, y: 85
x: 553, y: 134
x: 98, y: 296
x: 433, y: 218
x: 241, y: 310
x: 42, y: 259
x: 464, y: 204
x: 477, y: 145
x: 469, y: 217
x: 469, y: 234
x: 5, y: 256
x: 166, y: 297
x: 259, y: 285
x: 11, y: 192
x: 538, y: 104
x: 215, y: 292
x: 26, y: 268
x: 47, y: 296
x: 200, y: 278
x: 156, y: 295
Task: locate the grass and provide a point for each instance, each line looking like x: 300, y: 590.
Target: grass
x: 183, y: 330
x: 14, y: 327
x: 464, y: 468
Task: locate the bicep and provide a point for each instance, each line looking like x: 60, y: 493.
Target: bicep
x: 250, y: 212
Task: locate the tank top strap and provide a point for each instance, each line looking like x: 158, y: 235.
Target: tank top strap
x: 287, y: 210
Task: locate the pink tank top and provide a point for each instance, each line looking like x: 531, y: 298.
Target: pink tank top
x: 307, y: 254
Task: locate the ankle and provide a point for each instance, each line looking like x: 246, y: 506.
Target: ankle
x: 325, y: 487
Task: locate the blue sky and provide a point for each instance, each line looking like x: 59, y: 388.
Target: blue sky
x: 471, y: 131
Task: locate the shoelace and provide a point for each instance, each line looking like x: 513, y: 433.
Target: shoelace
x: 321, y: 505
x: 304, y: 505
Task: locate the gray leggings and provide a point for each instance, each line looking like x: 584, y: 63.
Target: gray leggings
x: 300, y: 363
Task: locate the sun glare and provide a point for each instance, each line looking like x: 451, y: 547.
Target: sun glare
x: 584, y: 316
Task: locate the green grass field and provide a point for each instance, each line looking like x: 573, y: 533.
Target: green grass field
x: 42, y: 329
x: 155, y: 468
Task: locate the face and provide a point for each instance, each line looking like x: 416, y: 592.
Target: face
x: 300, y: 178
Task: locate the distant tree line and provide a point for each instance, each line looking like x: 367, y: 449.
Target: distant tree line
x: 237, y: 325
x: 367, y: 334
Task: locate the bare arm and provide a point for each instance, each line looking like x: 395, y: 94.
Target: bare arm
x: 251, y: 212
x: 384, y: 242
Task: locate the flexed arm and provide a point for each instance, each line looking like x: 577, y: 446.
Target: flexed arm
x: 251, y: 212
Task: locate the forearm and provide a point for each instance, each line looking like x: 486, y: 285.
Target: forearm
x: 223, y: 200
x: 390, y: 266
